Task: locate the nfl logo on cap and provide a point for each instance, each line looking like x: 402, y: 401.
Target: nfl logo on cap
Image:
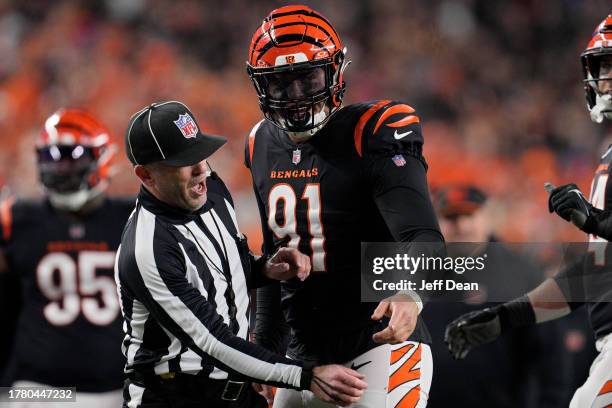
x: 187, y: 126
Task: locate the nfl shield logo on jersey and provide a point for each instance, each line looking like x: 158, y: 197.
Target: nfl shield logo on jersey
x: 297, y: 156
x: 187, y: 126
x: 399, y: 160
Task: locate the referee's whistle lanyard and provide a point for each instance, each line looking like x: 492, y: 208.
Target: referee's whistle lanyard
x: 223, y: 270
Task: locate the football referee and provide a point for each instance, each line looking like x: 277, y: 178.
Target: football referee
x: 183, y: 272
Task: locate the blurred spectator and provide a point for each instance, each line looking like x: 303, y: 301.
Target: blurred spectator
x: 492, y: 374
x: 495, y: 84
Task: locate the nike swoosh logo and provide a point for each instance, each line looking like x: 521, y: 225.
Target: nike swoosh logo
x: 358, y: 366
x: 399, y: 136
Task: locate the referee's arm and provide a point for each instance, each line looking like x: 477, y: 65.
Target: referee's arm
x: 155, y: 270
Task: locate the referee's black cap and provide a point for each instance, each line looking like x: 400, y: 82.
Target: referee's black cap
x: 168, y: 133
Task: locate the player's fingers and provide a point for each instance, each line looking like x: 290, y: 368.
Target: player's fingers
x: 355, y: 374
x: 257, y: 387
x: 303, y: 266
x: 278, y: 268
x: 383, y: 336
x: 380, y: 310
x: 268, y: 393
x: 347, y: 389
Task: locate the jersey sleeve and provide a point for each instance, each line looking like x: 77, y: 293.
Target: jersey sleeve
x: 396, y: 174
x: 387, y: 129
x: 395, y: 170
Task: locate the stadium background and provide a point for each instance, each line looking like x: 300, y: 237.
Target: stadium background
x: 497, y: 84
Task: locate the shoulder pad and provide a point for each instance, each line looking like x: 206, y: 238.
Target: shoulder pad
x: 250, y: 144
x: 388, y: 127
x: 6, y: 219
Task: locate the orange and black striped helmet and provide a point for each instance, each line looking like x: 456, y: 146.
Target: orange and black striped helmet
x: 296, y: 62
x: 598, y: 47
x: 74, y: 152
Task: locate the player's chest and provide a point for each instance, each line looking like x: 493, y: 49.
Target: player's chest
x: 304, y: 177
x: 56, y: 243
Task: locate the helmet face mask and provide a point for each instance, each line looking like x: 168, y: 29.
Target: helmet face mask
x: 596, y: 63
x: 296, y: 65
x: 65, y: 169
x: 73, y: 154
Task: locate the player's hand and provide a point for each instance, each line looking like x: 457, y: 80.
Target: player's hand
x: 265, y: 391
x: 287, y: 263
x: 570, y: 204
x: 403, y: 313
x: 472, y: 330
x: 337, y: 384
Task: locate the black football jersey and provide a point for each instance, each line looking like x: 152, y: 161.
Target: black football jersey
x: 69, y: 331
x: 327, y: 195
x: 600, y: 313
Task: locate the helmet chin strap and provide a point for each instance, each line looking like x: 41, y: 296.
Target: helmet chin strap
x: 602, y: 108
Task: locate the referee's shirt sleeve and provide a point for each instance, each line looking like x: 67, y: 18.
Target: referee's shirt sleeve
x: 156, y: 274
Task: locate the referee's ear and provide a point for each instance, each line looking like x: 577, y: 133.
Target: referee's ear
x: 144, y: 174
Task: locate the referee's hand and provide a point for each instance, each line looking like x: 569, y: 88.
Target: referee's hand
x: 287, y: 263
x: 337, y: 384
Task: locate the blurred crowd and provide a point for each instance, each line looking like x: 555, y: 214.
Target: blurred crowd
x: 498, y: 85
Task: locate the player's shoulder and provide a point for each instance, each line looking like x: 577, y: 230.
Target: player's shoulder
x: 16, y: 212
x: 386, y: 126
x: 261, y: 133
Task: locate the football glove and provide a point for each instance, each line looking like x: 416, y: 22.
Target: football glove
x: 472, y: 330
x: 570, y: 204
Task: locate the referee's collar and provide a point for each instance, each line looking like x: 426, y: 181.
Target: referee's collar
x: 158, y: 207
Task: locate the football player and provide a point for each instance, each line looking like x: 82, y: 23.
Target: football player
x: 326, y: 178
x: 550, y: 300
x: 62, y: 249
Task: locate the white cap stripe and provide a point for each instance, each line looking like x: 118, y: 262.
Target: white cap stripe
x: 153, y: 134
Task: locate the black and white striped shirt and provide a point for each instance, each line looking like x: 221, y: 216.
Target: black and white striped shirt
x: 183, y: 282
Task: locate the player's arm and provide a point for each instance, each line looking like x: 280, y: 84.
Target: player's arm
x: 546, y: 302
x: 270, y: 330
x: 396, y: 173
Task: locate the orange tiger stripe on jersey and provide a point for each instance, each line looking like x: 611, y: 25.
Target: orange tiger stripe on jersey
x: 6, y: 218
x: 606, y: 388
x: 411, y: 399
x: 252, y: 140
x: 364, y: 119
x: 406, y: 372
x: 602, y: 167
x: 396, y: 355
x: 393, y: 110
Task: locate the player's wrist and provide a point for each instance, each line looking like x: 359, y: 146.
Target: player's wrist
x: 516, y: 313
x: 414, y: 297
x: 306, y: 376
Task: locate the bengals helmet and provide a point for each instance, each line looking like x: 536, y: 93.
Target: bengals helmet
x: 597, y: 67
x: 74, y: 152
x: 296, y: 62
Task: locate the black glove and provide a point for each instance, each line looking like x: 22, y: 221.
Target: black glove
x: 570, y: 204
x: 472, y: 330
